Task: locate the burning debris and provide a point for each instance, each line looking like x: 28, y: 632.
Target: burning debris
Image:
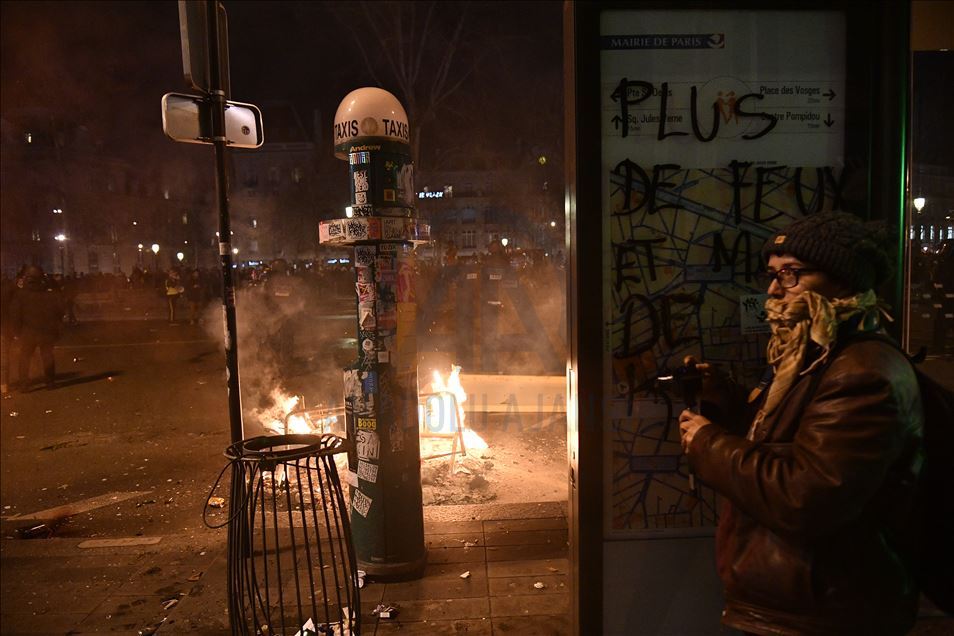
x: 287, y: 414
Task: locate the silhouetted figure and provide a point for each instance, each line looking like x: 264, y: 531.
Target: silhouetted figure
x: 37, y: 318
x: 174, y: 289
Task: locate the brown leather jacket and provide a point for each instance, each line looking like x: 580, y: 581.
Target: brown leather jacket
x: 812, y: 535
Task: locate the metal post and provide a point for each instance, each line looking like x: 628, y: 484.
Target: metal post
x: 218, y: 98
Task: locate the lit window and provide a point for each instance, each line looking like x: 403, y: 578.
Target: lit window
x: 254, y: 223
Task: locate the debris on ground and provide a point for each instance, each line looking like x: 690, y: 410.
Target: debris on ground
x: 216, y: 502
x: 465, y: 575
x: 195, y: 576
x: 152, y: 629
x: 361, y: 576
x: 384, y: 611
x: 172, y: 602
x: 540, y: 585
x: 35, y: 531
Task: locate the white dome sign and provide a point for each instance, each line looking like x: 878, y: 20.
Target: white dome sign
x: 369, y: 112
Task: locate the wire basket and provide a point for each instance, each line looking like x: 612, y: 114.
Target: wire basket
x: 291, y: 561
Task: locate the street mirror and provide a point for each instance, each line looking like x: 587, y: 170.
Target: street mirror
x: 188, y: 118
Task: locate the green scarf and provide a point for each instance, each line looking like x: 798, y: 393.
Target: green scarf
x: 809, y: 317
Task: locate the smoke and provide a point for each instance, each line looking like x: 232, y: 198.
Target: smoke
x: 516, y: 326
x: 291, y: 341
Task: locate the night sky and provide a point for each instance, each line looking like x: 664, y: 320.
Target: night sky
x: 107, y: 64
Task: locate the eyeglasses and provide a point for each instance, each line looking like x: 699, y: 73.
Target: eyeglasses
x: 787, y: 277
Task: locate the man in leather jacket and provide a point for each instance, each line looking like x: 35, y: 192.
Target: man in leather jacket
x: 815, y: 534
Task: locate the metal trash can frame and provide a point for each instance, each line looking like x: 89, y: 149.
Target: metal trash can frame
x: 291, y: 560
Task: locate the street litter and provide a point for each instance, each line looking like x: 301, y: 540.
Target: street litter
x: 539, y: 585
x: 361, y: 575
x: 307, y: 629
x: 36, y: 531
x: 172, y: 602
x: 470, y: 544
x: 465, y: 575
x: 384, y: 611
x: 77, y: 359
x: 216, y: 502
x: 195, y: 577
x: 13, y: 413
x: 149, y: 631
x: 48, y: 411
x: 554, y: 569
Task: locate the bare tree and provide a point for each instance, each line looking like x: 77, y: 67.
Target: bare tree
x: 416, y: 48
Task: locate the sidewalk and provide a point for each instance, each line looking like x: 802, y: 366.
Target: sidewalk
x: 128, y: 585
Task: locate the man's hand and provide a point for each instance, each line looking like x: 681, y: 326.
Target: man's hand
x: 689, y: 423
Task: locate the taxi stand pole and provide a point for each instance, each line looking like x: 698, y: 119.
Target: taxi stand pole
x: 387, y: 525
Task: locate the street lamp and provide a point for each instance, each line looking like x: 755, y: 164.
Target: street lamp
x: 61, y: 239
x: 504, y: 241
x: 552, y: 223
x: 349, y: 211
x: 180, y: 256
x: 155, y: 253
x: 919, y: 203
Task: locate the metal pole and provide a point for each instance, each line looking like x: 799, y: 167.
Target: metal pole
x: 217, y: 95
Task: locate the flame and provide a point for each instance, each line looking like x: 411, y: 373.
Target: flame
x: 283, y: 409
x: 452, y: 385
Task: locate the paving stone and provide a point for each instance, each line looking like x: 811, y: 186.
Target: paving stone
x: 454, y: 540
x: 530, y: 604
x: 451, y: 527
x: 443, y: 609
x: 536, y: 625
x: 539, y: 567
x: 508, y: 585
x: 511, y: 525
x: 527, y: 537
x: 456, y: 555
x: 437, y: 628
x: 439, y: 587
x: 525, y: 552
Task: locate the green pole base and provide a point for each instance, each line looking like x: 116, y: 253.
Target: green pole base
x: 404, y: 571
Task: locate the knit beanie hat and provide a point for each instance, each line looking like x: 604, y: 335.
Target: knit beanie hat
x: 839, y: 244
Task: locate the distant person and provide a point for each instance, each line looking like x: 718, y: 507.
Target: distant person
x: 194, y: 293
x: 7, y: 292
x: 36, y: 314
x: 816, y: 533
x: 942, y: 279
x: 174, y: 289
x: 67, y: 286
